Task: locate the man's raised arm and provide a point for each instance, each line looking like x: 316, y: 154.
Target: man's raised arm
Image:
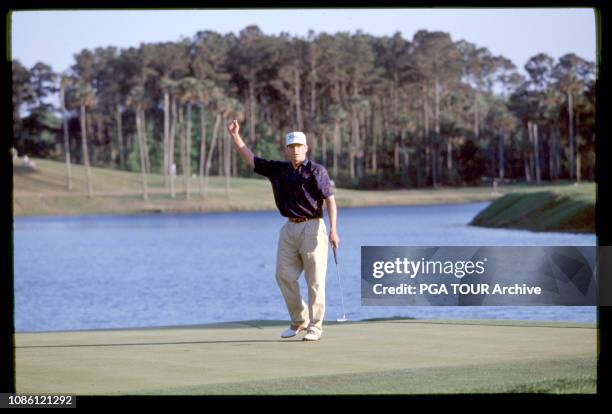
x: 245, y: 152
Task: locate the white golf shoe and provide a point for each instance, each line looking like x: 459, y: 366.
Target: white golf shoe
x: 289, y: 333
x: 312, y: 335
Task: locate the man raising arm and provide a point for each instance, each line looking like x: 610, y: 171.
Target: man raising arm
x: 301, y: 188
x: 249, y: 158
x: 245, y: 152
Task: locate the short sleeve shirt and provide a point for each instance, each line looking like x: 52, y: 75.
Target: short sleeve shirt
x: 298, y: 192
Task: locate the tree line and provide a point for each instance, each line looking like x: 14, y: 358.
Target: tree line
x: 379, y: 112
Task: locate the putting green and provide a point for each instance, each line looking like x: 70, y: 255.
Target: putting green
x: 394, y: 356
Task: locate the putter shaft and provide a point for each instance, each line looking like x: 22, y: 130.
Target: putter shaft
x: 340, y: 284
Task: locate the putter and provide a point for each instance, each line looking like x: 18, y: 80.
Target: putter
x: 343, y: 318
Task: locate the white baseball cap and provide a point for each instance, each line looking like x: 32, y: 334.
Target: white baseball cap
x: 295, y: 138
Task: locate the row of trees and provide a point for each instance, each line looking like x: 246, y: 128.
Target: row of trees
x: 378, y: 111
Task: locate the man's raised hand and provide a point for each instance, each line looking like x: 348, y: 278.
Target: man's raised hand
x: 233, y: 127
x: 245, y: 152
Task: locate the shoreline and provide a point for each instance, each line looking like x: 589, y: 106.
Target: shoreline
x: 153, y: 212
x: 42, y: 192
x: 50, y: 205
x: 282, y: 323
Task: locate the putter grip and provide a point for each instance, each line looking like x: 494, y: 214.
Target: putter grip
x: 335, y: 258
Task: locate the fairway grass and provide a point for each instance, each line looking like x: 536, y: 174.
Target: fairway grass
x: 249, y: 358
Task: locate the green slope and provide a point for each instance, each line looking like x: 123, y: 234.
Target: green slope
x: 570, y: 209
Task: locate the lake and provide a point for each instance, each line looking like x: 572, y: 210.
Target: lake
x: 97, y: 272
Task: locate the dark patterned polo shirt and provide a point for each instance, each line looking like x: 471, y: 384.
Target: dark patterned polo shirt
x: 299, y: 192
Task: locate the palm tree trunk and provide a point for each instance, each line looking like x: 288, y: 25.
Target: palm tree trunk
x: 437, y: 129
x: 100, y: 130
x: 143, y: 125
x: 166, y: 137
x: 173, y: 126
x: 120, y: 136
x: 557, y: 153
x: 85, y: 152
x: 476, y: 117
x: 434, y: 165
x: 527, y: 155
x: 90, y: 134
x: 531, y: 163
x: 220, y: 154
x: 182, y: 132
x: 407, y: 161
x: 251, y: 113
x: 397, y: 135
x: 501, y: 154
x: 551, y: 155
x: 353, y: 146
x: 375, y: 133
x: 403, y: 155
x: 526, y: 168
x: 536, y: 152
x: 298, y: 112
x: 66, y: 138
x: 188, y: 151
x: 570, y: 110
x: 313, y: 91
x: 141, y: 145
x: 226, y: 158
x: 577, y: 141
x: 313, y: 146
x: 324, y: 147
x: 202, y: 147
x: 396, y: 156
x: 437, y: 108
x: 362, y: 130
x: 336, y: 153
x: 234, y: 160
x: 395, y: 93
x: 430, y: 147
x: 210, y: 153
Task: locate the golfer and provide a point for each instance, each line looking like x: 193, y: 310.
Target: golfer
x: 300, y: 186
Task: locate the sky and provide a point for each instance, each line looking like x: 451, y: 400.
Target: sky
x: 53, y: 37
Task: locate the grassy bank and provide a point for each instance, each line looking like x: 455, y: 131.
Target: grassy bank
x: 570, y: 209
x: 42, y: 191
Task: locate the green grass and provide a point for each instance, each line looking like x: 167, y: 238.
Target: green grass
x: 395, y: 356
x: 575, y: 385
x: 570, y: 208
x: 545, y: 376
x: 43, y: 191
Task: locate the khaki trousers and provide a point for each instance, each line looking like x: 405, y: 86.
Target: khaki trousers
x: 303, y: 247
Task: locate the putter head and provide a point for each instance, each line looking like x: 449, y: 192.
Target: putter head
x: 343, y: 318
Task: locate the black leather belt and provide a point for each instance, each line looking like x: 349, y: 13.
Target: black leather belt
x: 298, y: 219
